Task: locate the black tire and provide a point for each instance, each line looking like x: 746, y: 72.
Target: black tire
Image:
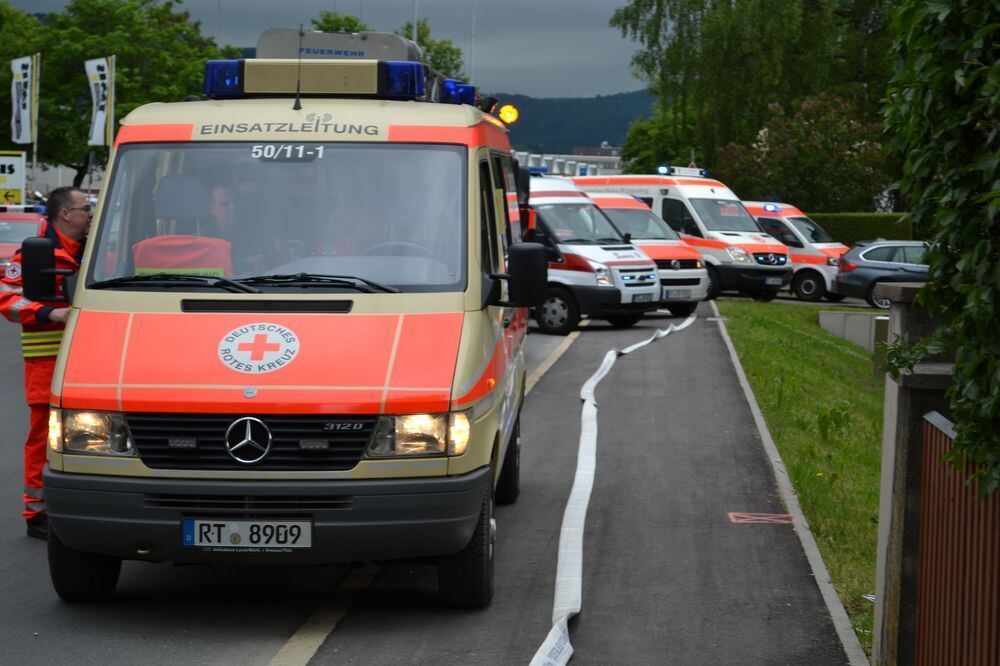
x: 809, y: 286
x: 714, y: 283
x: 79, y: 576
x: 624, y: 321
x: 509, y: 483
x: 682, y: 309
x: 764, y: 296
x: 881, y: 304
x: 834, y: 298
x: 465, y: 579
x: 558, y: 314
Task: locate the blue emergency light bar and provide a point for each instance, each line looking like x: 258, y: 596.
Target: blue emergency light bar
x: 772, y: 208
x: 395, y: 79
x: 667, y: 170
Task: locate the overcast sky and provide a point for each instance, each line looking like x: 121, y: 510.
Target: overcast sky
x: 543, y: 48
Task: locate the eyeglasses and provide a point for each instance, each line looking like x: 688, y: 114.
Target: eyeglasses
x: 85, y: 209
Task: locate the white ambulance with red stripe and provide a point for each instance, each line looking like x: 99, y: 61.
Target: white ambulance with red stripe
x: 297, y: 333
x: 813, y: 252
x: 683, y: 277
x: 710, y: 217
x: 593, y: 270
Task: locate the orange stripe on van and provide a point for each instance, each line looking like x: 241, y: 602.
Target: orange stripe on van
x: 679, y: 251
x: 427, y: 351
x: 808, y: 259
x: 617, y: 202
x: 624, y: 180
x: 487, y: 380
x: 707, y: 182
x: 89, y: 397
x: 413, y: 402
x: 96, y: 347
x: 154, y: 133
x: 705, y: 242
x: 274, y: 401
x: 483, y: 134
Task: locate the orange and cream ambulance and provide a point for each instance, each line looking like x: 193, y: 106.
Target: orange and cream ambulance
x: 683, y: 278
x: 594, y: 270
x: 297, y: 332
x: 709, y: 217
x: 813, y: 252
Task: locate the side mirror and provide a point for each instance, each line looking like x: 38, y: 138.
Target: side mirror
x: 38, y: 270
x: 627, y: 236
x: 527, y: 275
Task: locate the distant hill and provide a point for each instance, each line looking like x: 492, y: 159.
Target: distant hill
x: 556, y: 125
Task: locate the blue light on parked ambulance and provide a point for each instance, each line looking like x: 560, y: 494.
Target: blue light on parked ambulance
x: 403, y: 79
x: 454, y: 91
x: 663, y: 170
x: 222, y: 78
x: 772, y: 208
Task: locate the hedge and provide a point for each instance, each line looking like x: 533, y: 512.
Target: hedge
x: 849, y: 228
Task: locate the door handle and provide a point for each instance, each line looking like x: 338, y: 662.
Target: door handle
x: 507, y: 320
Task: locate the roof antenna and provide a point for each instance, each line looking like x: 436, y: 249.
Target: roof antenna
x: 297, y: 106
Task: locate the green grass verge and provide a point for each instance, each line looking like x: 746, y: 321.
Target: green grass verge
x: 823, y: 407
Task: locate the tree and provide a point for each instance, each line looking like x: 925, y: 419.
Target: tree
x: 823, y: 157
x: 439, y: 54
x: 160, y: 58
x: 660, y: 139
x: 333, y: 22
x: 941, y: 114
x: 18, y: 37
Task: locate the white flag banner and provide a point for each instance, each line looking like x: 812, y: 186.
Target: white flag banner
x: 22, y: 128
x: 100, y: 75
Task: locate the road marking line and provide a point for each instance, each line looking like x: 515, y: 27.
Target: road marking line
x: 841, y: 622
x: 305, y: 642
x: 556, y: 649
x: 550, y: 360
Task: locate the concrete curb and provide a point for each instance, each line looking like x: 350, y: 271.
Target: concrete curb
x: 841, y: 622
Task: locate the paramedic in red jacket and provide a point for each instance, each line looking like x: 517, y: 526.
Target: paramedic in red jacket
x: 69, y: 215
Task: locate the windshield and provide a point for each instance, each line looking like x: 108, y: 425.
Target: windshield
x: 15, y: 232
x: 389, y: 214
x: 812, y: 231
x: 641, y: 223
x: 577, y: 223
x: 724, y: 215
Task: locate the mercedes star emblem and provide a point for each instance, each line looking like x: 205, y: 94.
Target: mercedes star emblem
x: 676, y: 265
x: 248, y: 440
x: 770, y: 258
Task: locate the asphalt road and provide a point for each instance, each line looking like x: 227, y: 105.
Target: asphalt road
x: 668, y: 578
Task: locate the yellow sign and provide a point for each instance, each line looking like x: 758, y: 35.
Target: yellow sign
x: 12, y: 165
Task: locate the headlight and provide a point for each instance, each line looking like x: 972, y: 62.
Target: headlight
x: 419, y: 435
x: 739, y: 254
x: 697, y: 263
x: 602, y: 273
x: 831, y: 261
x: 99, y: 433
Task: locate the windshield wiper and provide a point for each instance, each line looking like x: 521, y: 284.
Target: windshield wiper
x: 308, y: 279
x: 174, y: 280
x: 579, y: 241
x: 610, y: 240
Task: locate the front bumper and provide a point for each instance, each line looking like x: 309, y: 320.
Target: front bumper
x: 851, y: 285
x: 351, y: 520
x: 753, y: 279
x: 601, y: 302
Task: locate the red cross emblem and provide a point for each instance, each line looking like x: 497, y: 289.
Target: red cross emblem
x: 259, y: 347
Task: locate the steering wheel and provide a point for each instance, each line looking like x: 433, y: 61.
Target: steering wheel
x: 423, y: 251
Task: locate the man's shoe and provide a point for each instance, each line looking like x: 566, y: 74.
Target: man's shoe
x: 38, y: 527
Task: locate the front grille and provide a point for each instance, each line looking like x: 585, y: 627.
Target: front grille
x: 642, y: 277
x: 247, y: 504
x: 151, y: 434
x: 679, y: 282
x: 770, y: 258
x: 667, y: 264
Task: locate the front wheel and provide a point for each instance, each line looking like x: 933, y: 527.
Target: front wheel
x: 79, y: 576
x: 682, y: 309
x: 465, y: 579
x: 714, y: 283
x: 558, y: 314
x: 624, y: 321
x: 809, y: 286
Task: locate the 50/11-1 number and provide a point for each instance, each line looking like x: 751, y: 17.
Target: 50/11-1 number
x: 272, y: 151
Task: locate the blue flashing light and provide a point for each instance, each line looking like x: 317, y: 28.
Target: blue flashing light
x: 538, y: 170
x: 664, y: 170
x: 223, y: 79
x: 454, y: 91
x: 704, y: 173
x: 402, y: 80
x: 772, y: 208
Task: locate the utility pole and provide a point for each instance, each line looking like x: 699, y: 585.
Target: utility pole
x: 414, y: 21
x: 218, y: 21
x: 472, y: 45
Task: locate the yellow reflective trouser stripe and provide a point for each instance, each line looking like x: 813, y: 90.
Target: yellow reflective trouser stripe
x: 40, y: 343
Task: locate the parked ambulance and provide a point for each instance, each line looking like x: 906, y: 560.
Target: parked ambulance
x: 683, y: 278
x: 709, y: 217
x: 297, y: 333
x: 593, y: 270
x: 812, y: 251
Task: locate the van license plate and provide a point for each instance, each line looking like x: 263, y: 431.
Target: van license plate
x: 670, y: 294
x: 642, y: 298
x: 256, y: 535
x: 772, y: 280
